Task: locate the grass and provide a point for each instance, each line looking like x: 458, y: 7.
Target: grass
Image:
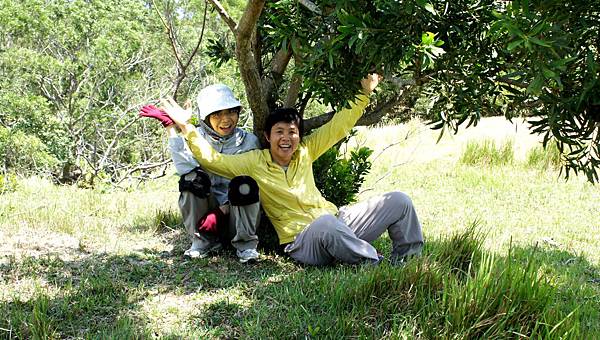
x: 511, y: 251
x: 544, y: 158
x: 487, y: 153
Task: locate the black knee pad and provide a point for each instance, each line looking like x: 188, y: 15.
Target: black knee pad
x: 197, y: 182
x: 243, y: 190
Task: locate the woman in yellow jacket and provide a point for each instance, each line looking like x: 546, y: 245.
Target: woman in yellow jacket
x: 312, y: 229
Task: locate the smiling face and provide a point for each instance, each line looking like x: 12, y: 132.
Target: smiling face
x: 283, y: 142
x: 224, y: 121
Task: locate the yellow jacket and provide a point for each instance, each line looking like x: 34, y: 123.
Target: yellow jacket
x: 290, y: 199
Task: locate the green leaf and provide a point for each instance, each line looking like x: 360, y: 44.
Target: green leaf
x: 539, y: 42
x: 352, y: 41
x: 514, y: 44
x: 428, y: 6
x: 525, y: 7
x: 427, y: 38
x: 536, y: 85
x: 548, y: 73
x: 538, y: 28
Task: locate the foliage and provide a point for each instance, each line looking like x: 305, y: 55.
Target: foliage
x: 8, y: 182
x: 73, y: 75
x: 486, y: 153
x: 467, y: 60
x: 27, y: 153
x: 339, y: 178
x: 554, y: 47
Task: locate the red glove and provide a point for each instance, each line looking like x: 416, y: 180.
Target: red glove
x: 156, y: 113
x: 212, y: 221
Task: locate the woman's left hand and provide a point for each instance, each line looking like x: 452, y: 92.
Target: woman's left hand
x: 370, y: 82
x: 176, y: 112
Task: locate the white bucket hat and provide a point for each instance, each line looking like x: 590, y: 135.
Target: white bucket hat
x: 215, y: 98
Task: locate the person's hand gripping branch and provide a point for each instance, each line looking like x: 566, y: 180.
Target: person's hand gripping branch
x: 178, y: 114
x: 370, y: 82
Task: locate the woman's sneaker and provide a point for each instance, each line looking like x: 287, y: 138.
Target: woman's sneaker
x: 247, y: 255
x: 200, y: 253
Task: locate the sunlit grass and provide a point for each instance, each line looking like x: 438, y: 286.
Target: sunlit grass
x: 82, y: 263
x: 487, y: 153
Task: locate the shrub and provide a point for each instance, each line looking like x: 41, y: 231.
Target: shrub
x: 339, y: 178
x: 487, y: 153
x: 8, y: 183
x: 24, y: 154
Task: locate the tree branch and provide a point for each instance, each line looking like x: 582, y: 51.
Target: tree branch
x: 310, y: 6
x: 374, y: 116
x: 272, y: 81
x: 370, y: 117
x: 224, y: 15
x: 171, y: 36
x: 296, y: 83
x: 293, y: 90
x: 142, y: 167
x: 183, y: 72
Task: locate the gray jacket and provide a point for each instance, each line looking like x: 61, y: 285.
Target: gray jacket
x: 240, y: 141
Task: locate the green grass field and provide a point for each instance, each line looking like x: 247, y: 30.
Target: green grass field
x: 512, y: 250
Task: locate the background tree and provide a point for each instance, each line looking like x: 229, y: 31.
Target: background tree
x: 74, y: 73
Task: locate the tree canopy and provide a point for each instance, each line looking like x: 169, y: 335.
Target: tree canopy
x: 74, y: 73
x: 537, y: 59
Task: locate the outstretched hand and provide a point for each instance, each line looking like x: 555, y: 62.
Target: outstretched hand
x: 370, y: 82
x: 156, y: 113
x: 179, y: 115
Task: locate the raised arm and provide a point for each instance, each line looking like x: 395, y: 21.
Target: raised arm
x: 343, y: 121
x: 227, y: 166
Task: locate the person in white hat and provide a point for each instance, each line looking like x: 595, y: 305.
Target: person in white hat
x: 213, y: 207
x: 312, y: 230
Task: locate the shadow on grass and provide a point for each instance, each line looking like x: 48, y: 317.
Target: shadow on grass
x: 93, y: 294
x: 101, y: 295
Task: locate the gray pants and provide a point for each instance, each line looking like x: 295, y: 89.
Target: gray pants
x: 241, y: 230
x: 347, y: 238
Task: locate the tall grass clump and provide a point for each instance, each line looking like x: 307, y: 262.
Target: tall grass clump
x: 32, y: 319
x: 544, y: 158
x: 486, y: 152
x: 461, y: 250
x: 503, y: 298
x: 160, y: 221
x: 455, y: 290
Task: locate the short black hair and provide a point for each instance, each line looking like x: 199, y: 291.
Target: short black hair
x: 287, y: 115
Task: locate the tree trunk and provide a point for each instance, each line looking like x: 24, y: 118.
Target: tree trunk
x: 248, y: 66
